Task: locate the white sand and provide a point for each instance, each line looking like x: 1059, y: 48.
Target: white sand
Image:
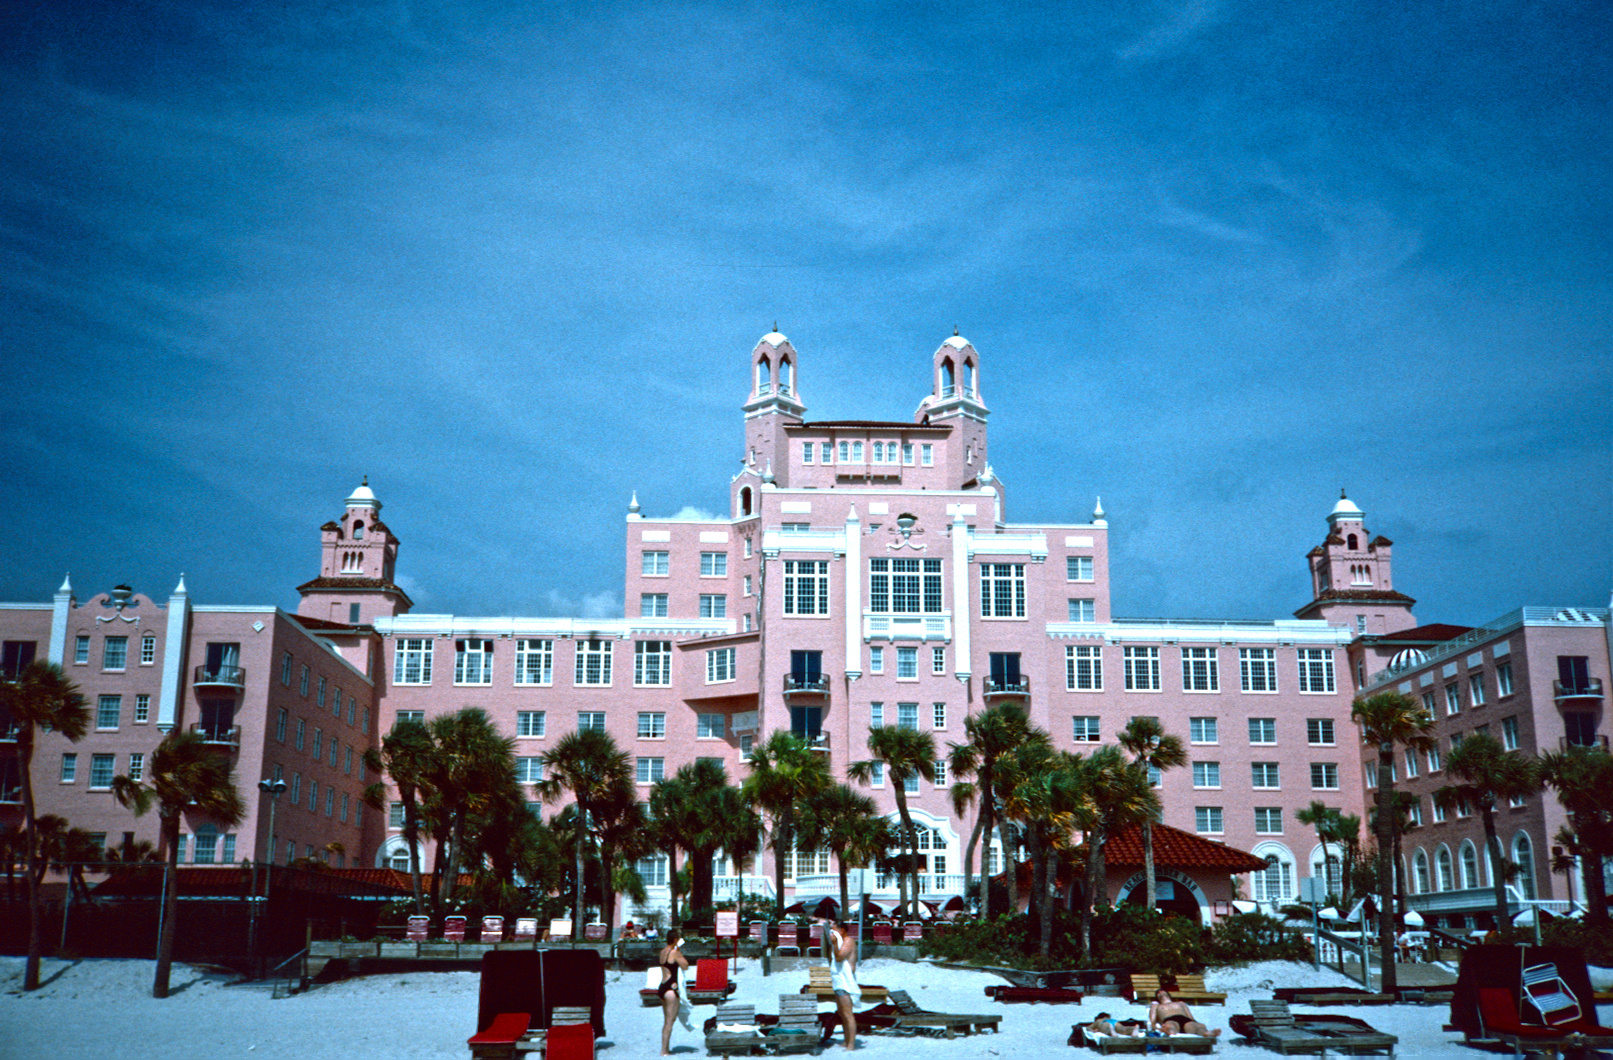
x: 103, y: 1008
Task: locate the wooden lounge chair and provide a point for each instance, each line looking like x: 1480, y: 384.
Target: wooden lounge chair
x: 1271, y: 1024
x: 909, y: 1016
x: 711, y: 984
x: 1188, y: 988
x: 497, y: 1041
x: 733, y: 1030
x: 797, y: 1029
x: 569, y: 1041
x: 820, y: 986
x: 1109, y: 1043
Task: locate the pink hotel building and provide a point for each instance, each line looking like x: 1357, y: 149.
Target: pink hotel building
x: 867, y: 574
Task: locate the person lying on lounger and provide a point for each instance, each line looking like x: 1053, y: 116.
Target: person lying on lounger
x: 1104, y: 1024
x: 1174, y: 1017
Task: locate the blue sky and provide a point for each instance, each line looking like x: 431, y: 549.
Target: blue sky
x: 1220, y: 259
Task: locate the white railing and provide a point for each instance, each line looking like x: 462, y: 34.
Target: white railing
x: 884, y: 887
x: 1482, y: 899
x: 908, y: 627
x: 727, y: 888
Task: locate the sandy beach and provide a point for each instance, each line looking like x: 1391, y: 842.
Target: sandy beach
x: 104, y: 1008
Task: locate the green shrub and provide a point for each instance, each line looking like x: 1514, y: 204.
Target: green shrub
x: 1255, y: 937
x: 1131, y: 937
x: 1595, y: 942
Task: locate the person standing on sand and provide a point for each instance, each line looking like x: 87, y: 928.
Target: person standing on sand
x: 842, y: 954
x: 670, y: 960
x: 1174, y: 1017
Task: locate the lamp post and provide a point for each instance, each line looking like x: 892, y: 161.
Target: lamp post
x: 273, y: 788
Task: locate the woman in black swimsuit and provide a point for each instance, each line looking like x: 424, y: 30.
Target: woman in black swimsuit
x: 671, y: 960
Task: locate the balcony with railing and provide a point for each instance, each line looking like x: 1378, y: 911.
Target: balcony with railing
x: 1585, y: 688
x: 1568, y: 743
x: 805, y: 684
x: 1009, y: 685
x: 218, y: 735
x: 220, y: 676
x: 907, y: 627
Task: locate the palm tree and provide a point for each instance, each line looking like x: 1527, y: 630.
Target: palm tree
x: 1323, y: 818
x: 1486, y: 774
x: 185, y: 774
x: 1388, y: 720
x: 848, y: 823
x: 405, y: 755
x: 1146, y: 740
x: 672, y: 816
x: 588, y: 764
x: 786, y: 776
x: 1583, y: 779
x: 624, y: 832
x: 40, y: 697
x: 992, y: 733
x: 906, y: 755
x: 697, y: 810
x: 1115, y: 794
x: 471, y: 767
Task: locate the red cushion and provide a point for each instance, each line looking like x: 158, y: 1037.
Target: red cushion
x: 711, y: 974
x: 568, y: 1041
x: 507, y: 1028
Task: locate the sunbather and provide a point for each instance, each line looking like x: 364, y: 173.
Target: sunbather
x: 1105, y: 1024
x: 1171, y: 1017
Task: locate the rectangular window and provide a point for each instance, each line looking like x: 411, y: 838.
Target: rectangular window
x: 713, y: 564
x: 81, y: 649
x: 320, y: 696
x: 904, y: 586
x: 69, y: 773
x: 907, y: 663
x: 650, y: 770
x: 1509, y: 733
x: 1083, y: 610
x: 1262, y: 730
x: 1142, y: 669
x: 876, y: 660
x: 845, y: 452
x: 529, y: 723
x: 927, y: 454
x: 1434, y: 764
x: 344, y: 808
x: 719, y: 665
x: 652, y: 662
x: 910, y: 785
x: 302, y: 734
x: 593, y: 662
x: 907, y: 453
x: 590, y: 719
x: 148, y: 650
x: 528, y: 769
x: 1503, y: 680
x: 302, y: 685
x: 876, y: 715
x: 1078, y: 568
x: 1316, y: 670
x: 1257, y: 668
x: 336, y: 702
x: 907, y: 715
x: 652, y: 870
x: 101, y: 770
x: 1084, y: 729
x: 1428, y: 703
x: 115, y: 653
x: 108, y: 712
x: 285, y: 669
x: 330, y: 800
x: 534, y: 662
x: 1265, y: 775
x: 347, y: 760
x: 1002, y: 590
x: 713, y: 605
x: 313, y: 795
x: 939, y: 777
x: 747, y: 585
x: 1411, y: 763
x: 651, y: 725
x: 652, y: 605
x: 1453, y: 699
x: 319, y: 743
x: 825, y: 452
x: 1203, y: 730
x: 938, y: 660
x: 1206, y: 774
x: 806, y: 587
x: 413, y: 717
x: 1475, y: 686
x: 1319, y: 731
x: 473, y: 662
x: 1201, y: 670
x: 1207, y: 820
x: 1324, y: 776
x: 656, y: 564
x: 711, y: 726
x: 806, y: 451
x: 1083, y: 668
x: 1269, y: 820
x: 411, y: 661
x: 137, y: 766
x: 280, y: 719
x: 938, y: 716
x: 352, y: 711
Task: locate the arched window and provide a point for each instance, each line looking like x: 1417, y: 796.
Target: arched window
x: 1275, y: 883
x: 948, y: 382
x: 744, y: 501
x: 1349, y: 542
x: 784, y: 374
x: 1444, y: 879
x: 1470, y: 865
x: 1523, y: 853
x: 358, y: 529
x: 1419, y: 873
x: 764, y: 376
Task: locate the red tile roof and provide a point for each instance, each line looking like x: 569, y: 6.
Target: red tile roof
x: 1176, y: 849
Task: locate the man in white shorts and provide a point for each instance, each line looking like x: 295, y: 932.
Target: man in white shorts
x: 842, y: 953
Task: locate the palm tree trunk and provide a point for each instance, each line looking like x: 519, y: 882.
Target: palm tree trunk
x: 1595, y: 883
x: 672, y: 879
x: 411, y: 836
x: 781, y: 850
x: 1384, y: 827
x: 1148, y: 866
x: 1498, y: 876
x: 36, y: 942
x: 170, y: 907
x: 987, y: 809
x: 1094, y: 858
x: 1005, y: 832
x: 582, y: 874
x: 969, y: 856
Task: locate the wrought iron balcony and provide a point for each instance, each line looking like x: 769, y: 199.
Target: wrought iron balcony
x: 1566, y: 744
x: 226, y: 676
x: 1006, y: 686
x: 1589, y: 688
x: 818, y: 741
x: 806, y: 684
x: 218, y: 735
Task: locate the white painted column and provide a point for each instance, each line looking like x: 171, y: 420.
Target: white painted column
x: 854, y: 595
x: 175, y: 651
x: 961, y: 665
x: 59, y: 611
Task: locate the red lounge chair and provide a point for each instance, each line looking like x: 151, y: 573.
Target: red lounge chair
x: 912, y: 931
x: 492, y: 929
x: 882, y: 934
x: 453, y: 929
x: 758, y: 931
x: 711, y: 983
x: 498, y: 1039
x: 419, y: 928
x: 570, y: 1041
x: 1499, y: 1011
x: 526, y: 929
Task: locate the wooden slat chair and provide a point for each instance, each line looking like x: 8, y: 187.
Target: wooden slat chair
x: 733, y: 1031
x: 1189, y: 988
x: 821, y: 987
x: 1109, y: 1043
x: 797, y: 1030
x: 948, y: 1023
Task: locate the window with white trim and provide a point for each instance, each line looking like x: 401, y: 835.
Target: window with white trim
x: 593, y: 662
x: 1324, y: 776
x: 1082, y: 610
x: 907, y: 715
x: 590, y: 719
x: 473, y: 661
x: 938, y: 661
x: 1085, y: 729
x: 904, y: 586
x: 1509, y: 733
x: 1257, y: 669
x: 1428, y: 703
x: 1206, y: 774
x: 713, y: 605
x: 1262, y: 730
x: 115, y: 653
x: 806, y: 587
x: 1268, y: 820
x: 1083, y: 667
x: 1203, y: 730
x: 1265, y: 776
x: 876, y: 660
x: 302, y: 732
x: 1503, y: 679
x: 719, y: 665
x: 1315, y: 670
x: 528, y: 769
x: 655, y: 564
x: 713, y: 564
x: 938, y: 716
x: 1475, y: 687
x: 1142, y: 669
x: 711, y: 726
x: 876, y: 715
x: 1207, y: 820
x: 1411, y: 763
x: 81, y: 649
x: 413, y: 717
x: 1434, y: 764
x: 1201, y: 670
x: 1274, y: 884
x: 650, y: 770
x: 102, y: 766
x: 1319, y: 731
x: 806, y: 451
x: 108, y: 712
x: 302, y: 684
x: 939, y: 777
x: 1002, y: 590
x: 319, y: 695
x: 1453, y: 699
x: 1078, y: 568
x: 534, y: 662
x: 529, y: 722
x: 651, y: 725
x: 747, y: 585
x: 907, y: 663
x: 652, y: 605
x: 411, y: 661
x: 148, y: 649
x: 652, y: 662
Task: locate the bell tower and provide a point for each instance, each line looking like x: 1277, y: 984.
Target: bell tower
x: 358, y: 554
x: 955, y: 401
x: 1350, y: 579
x: 774, y: 403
